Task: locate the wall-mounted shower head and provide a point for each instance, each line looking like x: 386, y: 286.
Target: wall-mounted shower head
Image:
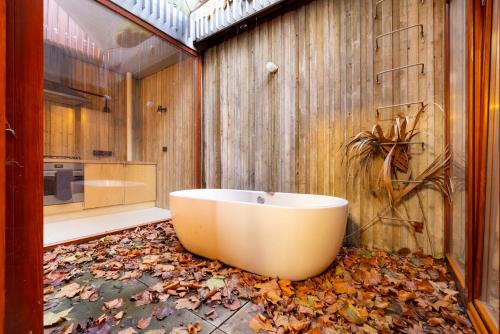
x: 106, y: 106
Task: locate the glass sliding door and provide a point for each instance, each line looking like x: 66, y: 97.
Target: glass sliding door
x: 457, y: 134
x: 490, y: 281
x: 120, y: 118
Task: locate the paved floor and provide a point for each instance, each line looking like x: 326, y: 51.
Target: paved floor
x: 228, y: 322
x: 121, y: 282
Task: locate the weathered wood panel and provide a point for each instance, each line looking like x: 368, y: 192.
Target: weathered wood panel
x: 284, y: 131
x: 172, y: 88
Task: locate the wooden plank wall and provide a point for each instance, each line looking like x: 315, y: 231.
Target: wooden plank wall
x: 284, y: 131
x: 172, y: 88
x: 71, y: 131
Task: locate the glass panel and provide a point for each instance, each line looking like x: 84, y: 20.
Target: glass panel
x: 491, y: 259
x: 119, y: 114
x: 458, y: 129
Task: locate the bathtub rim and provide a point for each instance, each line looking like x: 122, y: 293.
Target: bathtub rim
x: 179, y: 193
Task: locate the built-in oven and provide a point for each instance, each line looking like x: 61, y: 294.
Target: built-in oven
x: 63, y: 183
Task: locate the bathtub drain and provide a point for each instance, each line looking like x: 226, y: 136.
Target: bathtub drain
x: 261, y: 200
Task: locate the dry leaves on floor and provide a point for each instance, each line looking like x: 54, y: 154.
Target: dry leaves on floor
x: 362, y: 292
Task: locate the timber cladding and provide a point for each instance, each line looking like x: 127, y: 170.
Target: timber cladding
x: 166, y: 138
x: 284, y: 131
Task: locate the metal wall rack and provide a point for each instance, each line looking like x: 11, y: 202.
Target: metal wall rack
x: 407, y: 104
x: 420, y: 25
x: 400, y: 68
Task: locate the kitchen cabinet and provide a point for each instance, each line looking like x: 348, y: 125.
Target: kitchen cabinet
x: 108, y: 184
x: 104, y: 185
x: 140, y: 183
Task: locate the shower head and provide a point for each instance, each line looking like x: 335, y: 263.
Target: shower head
x: 106, y: 108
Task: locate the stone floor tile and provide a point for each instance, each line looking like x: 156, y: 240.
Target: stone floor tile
x: 222, y: 312
x: 149, y: 280
x: 238, y: 323
x: 217, y: 331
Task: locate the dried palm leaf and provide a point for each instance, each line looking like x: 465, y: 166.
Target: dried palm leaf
x: 434, y: 176
x: 386, y: 177
x: 366, y: 146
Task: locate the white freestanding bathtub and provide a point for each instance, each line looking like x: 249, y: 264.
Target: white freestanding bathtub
x: 290, y: 236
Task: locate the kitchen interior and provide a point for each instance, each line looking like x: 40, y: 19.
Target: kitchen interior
x: 119, y: 114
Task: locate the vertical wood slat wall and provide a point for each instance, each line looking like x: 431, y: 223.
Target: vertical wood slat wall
x: 173, y: 88
x: 284, y: 131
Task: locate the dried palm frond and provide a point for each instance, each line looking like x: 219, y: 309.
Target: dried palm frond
x: 393, y: 147
x: 434, y: 175
x: 367, y: 145
x: 386, y: 177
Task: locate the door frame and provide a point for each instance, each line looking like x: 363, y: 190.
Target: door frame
x: 23, y: 163
x: 3, y: 78
x: 21, y: 206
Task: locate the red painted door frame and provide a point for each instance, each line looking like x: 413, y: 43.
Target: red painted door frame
x: 21, y: 152
x: 3, y: 69
x: 24, y: 164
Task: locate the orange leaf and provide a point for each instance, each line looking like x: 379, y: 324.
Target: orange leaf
x: 260, y: 322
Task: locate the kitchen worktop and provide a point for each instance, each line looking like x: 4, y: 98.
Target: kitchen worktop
x: 87, y: 161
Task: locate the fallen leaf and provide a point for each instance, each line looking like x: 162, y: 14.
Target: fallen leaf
x: 112, y: 304
x: 286, y: 287
x: 51, y: 318
x: 299, y: 325
x: 215, y: 282
x: 233, y: 304
x: 68, y: 329
x: 190, y: 329
x: 130, y: 275
x: 119, y: 316
x: 305, y: 310
x: 353, y: 314
x: 155, y: 331
x: 142, y: 298
x: 90, y: 293
x: 194, y: 328
x: 343, y: 287
x: 270, y: 290
x: 434, y: 322
x: 128, y: 330
x: 259, y: 322
x: 68, y: 291
x: 163, y: 312
x: 425, y: 287
x: 191, y: 303
x: 164, y: 267
x: 150, y: 259
x: 282, y: 321
x: 404, y: 296
x: 144, y: 323
x: 211, y: 315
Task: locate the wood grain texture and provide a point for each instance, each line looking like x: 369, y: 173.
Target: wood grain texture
x: 173, y: 88
x: 24, y: 155
x: 284, y: 131
x: 140, y: 183
x: 104, y: 185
